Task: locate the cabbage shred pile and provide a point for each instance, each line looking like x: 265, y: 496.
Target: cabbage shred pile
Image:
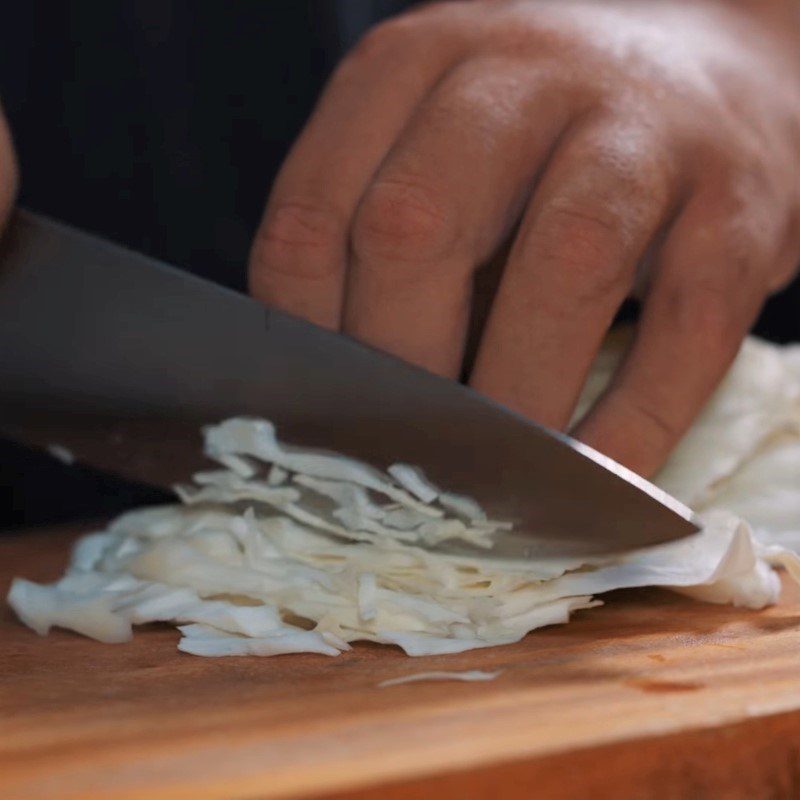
x: 284, y: 550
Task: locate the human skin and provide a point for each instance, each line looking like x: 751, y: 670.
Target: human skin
x: 619, y: 148
x: 9, y: 177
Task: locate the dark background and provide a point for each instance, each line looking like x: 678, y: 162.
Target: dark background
x: 161, y: 124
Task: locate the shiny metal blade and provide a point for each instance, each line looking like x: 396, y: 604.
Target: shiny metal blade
x: 121, y: 359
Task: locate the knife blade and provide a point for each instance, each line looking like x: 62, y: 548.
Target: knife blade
x: 121, y: 359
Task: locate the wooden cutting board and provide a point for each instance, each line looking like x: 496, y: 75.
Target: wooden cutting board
x: 651, y: 696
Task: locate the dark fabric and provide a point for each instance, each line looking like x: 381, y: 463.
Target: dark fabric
x: 161, y: 124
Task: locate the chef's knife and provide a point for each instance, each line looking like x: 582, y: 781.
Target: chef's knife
x: 120, y: 360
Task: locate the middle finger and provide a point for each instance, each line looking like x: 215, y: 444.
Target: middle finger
x: 446, y: 195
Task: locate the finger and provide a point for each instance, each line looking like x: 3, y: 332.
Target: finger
x: 446, y: 195
x: 299, y: 254
x: 601, y: 201
x: 707, y: 289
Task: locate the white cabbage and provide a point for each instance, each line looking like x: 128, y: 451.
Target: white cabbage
x: 466, y: 675
x: 287, y: 550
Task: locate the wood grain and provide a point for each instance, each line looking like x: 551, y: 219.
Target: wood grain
x: 651, y: 696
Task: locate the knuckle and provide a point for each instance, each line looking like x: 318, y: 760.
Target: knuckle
x: 637, y: 181
x: 743, y: 253
x: 403, y: 220
x: 746, y: 171
x: 744, y: 190
x: 746, y: 245
x: 648, y: 416
x: 617, y: 161
x: 707, y: 308
x: 632, y: 165
x: 300, y: 237
x: 493, y: 95
x: 585, y: 243
x: 581, y: 217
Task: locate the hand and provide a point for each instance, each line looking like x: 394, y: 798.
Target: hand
x: 601, y: 137
x: 8, y: 172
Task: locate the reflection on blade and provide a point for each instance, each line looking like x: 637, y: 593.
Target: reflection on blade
x: 122, y: 359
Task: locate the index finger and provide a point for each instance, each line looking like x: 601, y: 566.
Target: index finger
x: 299, y: 254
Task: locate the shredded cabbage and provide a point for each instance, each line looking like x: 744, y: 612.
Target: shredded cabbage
x: 466, y: 675
x: 285, y: 549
